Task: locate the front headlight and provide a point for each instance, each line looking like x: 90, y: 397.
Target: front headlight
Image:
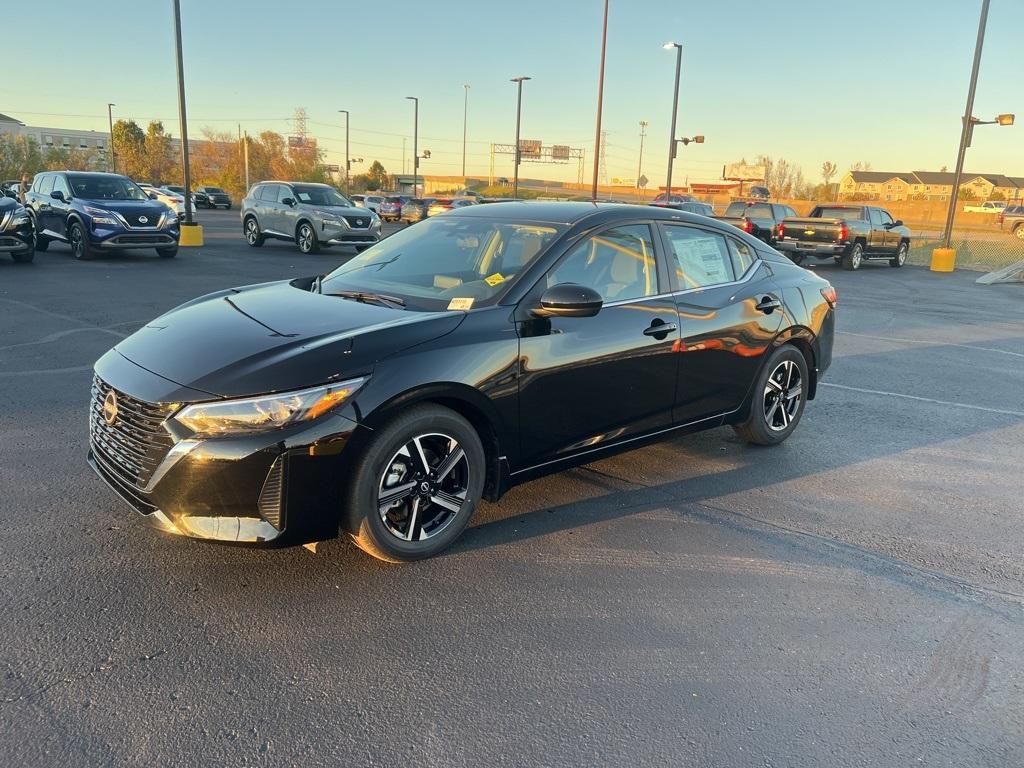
x: 20, y: 218
x: 258, y: 414
x: 102, y: 216
x: 329, y: 222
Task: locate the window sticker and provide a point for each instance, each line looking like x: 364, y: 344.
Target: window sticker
x: 304, y: 197
x: 496, y: 279
x: 701, y: 258
x: 460, y: 304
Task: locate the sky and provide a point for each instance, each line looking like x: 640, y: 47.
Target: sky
x: 881, y: 81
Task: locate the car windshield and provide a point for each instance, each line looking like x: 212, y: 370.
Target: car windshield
x: 312, y: 194
x: 106, y: 188
x: 371, y: 199
x: 446, y: 263
x: 214, y: 190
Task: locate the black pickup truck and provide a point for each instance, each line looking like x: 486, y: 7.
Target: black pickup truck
x: 850, y: 234
x: 758, y: 219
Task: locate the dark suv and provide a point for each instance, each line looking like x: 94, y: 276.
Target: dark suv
x: 16, y: 234
x: 98, y: 212
x: 212, y: 197
x: 391, y: 208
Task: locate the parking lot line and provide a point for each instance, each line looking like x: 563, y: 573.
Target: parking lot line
x: 895, y: 339
x: 921, y: 399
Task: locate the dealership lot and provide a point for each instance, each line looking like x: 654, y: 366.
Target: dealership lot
x: 851, y: 597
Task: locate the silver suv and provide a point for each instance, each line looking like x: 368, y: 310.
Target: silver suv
x: 309, y: 215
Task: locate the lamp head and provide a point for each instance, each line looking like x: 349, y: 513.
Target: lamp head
x: 1006, y: 119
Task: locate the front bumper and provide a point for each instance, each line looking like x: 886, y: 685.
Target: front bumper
x: 276, y: 488
x: 119, y: 238
x: 333, y: 234
x: 818, y: 250
x: 16, y: 241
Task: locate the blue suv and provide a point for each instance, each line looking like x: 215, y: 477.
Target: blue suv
x: 95, y: 212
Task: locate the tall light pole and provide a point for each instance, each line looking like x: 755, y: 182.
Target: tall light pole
x: 675, y: 108
x: 348, y: 162
x: 415, y: 145
x: 465, y: 116
x: 111, y: 163
x: 519, y: 110
x: 640, y: 164
x: 600, y: 100
x: 181, y: 114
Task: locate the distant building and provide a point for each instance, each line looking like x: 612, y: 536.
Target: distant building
x: 62, y: 138
x: 927, y: 185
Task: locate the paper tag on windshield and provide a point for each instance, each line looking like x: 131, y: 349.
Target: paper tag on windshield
x: 496, y: 279
x: 460, y: 304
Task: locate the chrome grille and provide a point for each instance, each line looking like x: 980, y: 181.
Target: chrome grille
x: 136, y: 442
x: 4, y: 218
x: 354, y: 221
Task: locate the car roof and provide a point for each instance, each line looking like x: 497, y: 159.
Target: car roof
x: 570, y: 212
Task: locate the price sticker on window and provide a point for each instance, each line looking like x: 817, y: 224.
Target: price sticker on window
x: 496, y: 279
x: 460, y: 304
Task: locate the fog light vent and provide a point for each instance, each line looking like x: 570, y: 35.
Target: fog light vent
x: 272, y: 493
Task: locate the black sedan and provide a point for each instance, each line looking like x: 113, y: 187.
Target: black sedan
x: 449, y: 362
x: 17, y: 234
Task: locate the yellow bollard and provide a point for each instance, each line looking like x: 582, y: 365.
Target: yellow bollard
x: 943, y: 260
x: 191, y: 235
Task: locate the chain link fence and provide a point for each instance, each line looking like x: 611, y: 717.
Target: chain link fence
x: 981, y: 250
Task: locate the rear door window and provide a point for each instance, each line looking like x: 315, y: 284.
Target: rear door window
x: 46, y: 185
x: 702, y: 258
x: 60, y: 184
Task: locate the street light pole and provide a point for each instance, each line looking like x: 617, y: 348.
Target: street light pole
x: 600, y: 104
x: 348, y: 163
x: 675, y: 107
x: 465, y: 116
x: 181, y: 114
x: 519, y: 109
x: 415, y: 146
x: 965, y: 129
x: 111, y: 163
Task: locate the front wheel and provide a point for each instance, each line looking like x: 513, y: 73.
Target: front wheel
x: 901, y: 256
x: 305, y: 237
x: 79, y: 242
x: 1019, y: 231
x: 167, y: 253
x: 416, y: 485
x: 23, y: 257
x: 852, y: 259
x: 780, y: 394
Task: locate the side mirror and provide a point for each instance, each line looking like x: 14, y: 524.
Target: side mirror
x: 897, y: 223
x: 288, y: 201
x: 57, y: 195
x: 152, y: 195
x: 569, y: 300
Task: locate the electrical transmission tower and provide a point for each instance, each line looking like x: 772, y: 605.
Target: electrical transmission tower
x: 299, y: 122
x: 602, y: 173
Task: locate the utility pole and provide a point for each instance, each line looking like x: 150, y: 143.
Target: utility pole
x: 640, y: 164
x: 348, y: 161
x: 966, y: 128
x: 245, y: 154
x: 465, y: 116
x: 598, y: 149
x: 415, y: 145
x: 111, y: 162
x: 181, y: 113
x: 519, y: 109
x: 675, y: 108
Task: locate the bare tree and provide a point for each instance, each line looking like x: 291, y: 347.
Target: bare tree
x: 861, y: 165
x: 783, y: 178
x: 828, y: 170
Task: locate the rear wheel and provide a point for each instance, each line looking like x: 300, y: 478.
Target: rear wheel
x: 416, y: 485
x: 901, y: 256
x: 780, y: 394
x: 253, y: 236
x: 79, y: 242
x: 305, y: 237
x: 852, y: 259
x: 1019, y: 231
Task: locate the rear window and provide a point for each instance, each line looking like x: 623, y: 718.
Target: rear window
x: 392, y: 199
x: 839, y: 213
x: 736, y: 209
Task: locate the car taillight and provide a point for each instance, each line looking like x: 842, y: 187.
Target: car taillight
x: 748, y: 226
x: 829, y: 294
x: 781, y: 231
x: 844, y: 232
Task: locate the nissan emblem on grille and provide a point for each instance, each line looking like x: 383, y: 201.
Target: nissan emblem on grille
x: 143, y: 219
x: 110, y: 408
x: 359, y: 222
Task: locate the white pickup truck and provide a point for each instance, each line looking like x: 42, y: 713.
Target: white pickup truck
x: 989, y: 206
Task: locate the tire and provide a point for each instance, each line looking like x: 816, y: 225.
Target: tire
x: 796, y: 257
x: 167, y: 253
x: 23, y: 257
x: 251, y: 230
x: 415, y: 524
x: 305, y: 238
x: 853, y: 258
x: 227, y: 207
x: 1019, y: 231
x: 901, y: 255
x: 79, y: 242
x: 775, y: 407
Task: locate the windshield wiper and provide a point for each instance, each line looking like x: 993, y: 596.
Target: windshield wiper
x: 370, y: 298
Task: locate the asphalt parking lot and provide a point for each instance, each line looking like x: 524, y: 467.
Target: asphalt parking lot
x: 853, y: 597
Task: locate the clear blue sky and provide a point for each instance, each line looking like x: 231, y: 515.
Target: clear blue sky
x: 881, y: 80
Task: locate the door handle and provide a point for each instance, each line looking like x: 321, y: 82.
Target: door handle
x: 660, y: 330
x: 768, y: 305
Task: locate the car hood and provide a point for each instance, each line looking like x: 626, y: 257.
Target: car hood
x: 335, y: 210
x: 133, y: 207
x: 275, y: 337
x: 8, y: 204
